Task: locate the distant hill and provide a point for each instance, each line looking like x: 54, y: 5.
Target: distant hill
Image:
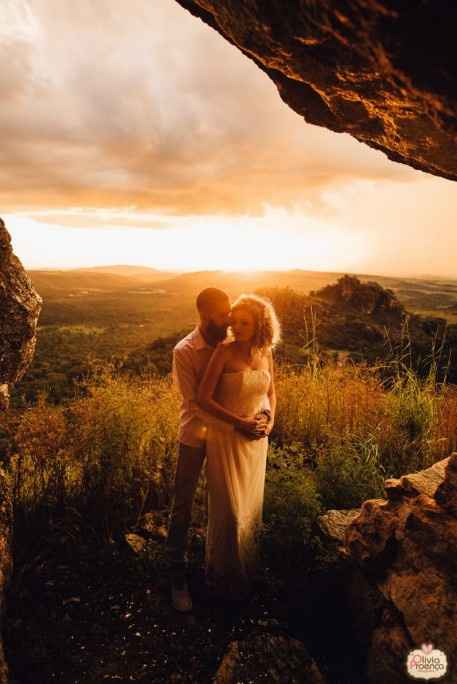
x: 237, y: 282
x: 365, y: 321
x: 141, y: 272
x: 414, y: 293
x: 89, y: 314
x: 429, y: 297
x: 95, y: 279
x: 348, y: 318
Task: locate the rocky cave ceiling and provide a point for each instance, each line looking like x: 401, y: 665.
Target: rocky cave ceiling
x: 382, y: 70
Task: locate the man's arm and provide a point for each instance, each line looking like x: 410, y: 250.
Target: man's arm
x: 185, y: 380
x: 206, y: 391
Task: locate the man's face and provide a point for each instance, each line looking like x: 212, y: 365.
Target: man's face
x: 218, y: 319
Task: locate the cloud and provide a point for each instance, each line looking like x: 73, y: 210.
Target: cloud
x: 110, y: 104
x: 97, y: 218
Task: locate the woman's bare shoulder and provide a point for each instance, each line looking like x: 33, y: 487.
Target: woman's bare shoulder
x: 264, y: 355
x: 265, y: 359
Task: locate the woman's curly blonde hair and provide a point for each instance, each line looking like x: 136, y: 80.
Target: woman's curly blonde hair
x: 267, y: 327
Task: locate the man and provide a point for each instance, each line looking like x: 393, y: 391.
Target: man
x: 190, y: 359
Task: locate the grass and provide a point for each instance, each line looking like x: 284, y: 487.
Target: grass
x: 110, y: 454
x: 106, y: 457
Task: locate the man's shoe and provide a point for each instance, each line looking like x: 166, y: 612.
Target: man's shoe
x: 181, y: 598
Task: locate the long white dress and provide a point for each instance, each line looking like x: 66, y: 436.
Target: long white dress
x: 235, y: 467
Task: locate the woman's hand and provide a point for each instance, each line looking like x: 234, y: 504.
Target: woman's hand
x: 253, y: 427
x: 269, y: 426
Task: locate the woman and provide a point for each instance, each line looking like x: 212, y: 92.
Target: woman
x: 237, y: 385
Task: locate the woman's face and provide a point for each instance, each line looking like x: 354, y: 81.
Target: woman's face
x: 242, y: 323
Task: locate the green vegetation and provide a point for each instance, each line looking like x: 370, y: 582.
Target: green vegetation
x: 363, y: 394
x: 106, y: 457
x: 135, y: 326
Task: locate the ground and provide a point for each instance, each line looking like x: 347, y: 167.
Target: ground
x: 80, y: 612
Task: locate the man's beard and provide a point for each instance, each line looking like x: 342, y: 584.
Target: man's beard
x: 216, y: 332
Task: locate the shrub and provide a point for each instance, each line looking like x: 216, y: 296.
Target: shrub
x: 123, y: 438
x: 321, y: 400
x: 291, y: 506
x: 110, y: 453
x: 349, y: 471
x: 42, y: 463
x: 411, y: 424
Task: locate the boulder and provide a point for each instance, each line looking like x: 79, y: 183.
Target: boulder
x: 334, y: 523
x: 380, y: 70
x: 424, y: 482
x: 270, y: 658
x: 20, y: 306
x: 406, y: 547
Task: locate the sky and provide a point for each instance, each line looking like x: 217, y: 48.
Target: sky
x: 133, y: 133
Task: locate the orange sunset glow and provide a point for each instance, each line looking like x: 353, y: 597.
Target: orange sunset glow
x: 134, y: 134
x: 228, y: 368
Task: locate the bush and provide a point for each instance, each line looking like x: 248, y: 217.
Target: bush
x: 411, y: 425
x: 291, y: 506
x: 123, y: 437
x: 110, y: 453
x: 349, y: 471
x: 42, y: 462
x: 320, y: 400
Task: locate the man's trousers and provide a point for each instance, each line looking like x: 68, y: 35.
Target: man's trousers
x: 188, y: 469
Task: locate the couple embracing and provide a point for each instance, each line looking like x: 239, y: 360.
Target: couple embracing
x: 224, y: 372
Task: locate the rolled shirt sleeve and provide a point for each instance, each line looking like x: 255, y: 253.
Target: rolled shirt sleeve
x: 193, y: 419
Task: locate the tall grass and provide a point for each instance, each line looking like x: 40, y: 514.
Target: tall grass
x: 355, y: 432
x: 316, y: 401
x: 110, y: 455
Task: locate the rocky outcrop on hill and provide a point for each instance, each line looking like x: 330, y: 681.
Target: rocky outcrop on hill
x: 403, y: 548
x: 368, y: 298
x: 381, y: 70
x: 362, y: 321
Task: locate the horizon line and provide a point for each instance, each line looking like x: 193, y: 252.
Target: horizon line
x: 244, y: 271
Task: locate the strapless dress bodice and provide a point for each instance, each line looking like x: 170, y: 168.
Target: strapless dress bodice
x: 243, y: 392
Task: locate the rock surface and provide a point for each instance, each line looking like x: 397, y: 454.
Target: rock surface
x: 20, y: 306
x: 369, y: 298
x: 381, y: 70
x: 424, y: 482
x: 334, y: 523
x: 407, y: 547
x: 270, y: 658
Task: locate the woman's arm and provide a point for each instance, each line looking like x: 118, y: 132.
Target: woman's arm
x: 208, y: 385
x: 271, y: 395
